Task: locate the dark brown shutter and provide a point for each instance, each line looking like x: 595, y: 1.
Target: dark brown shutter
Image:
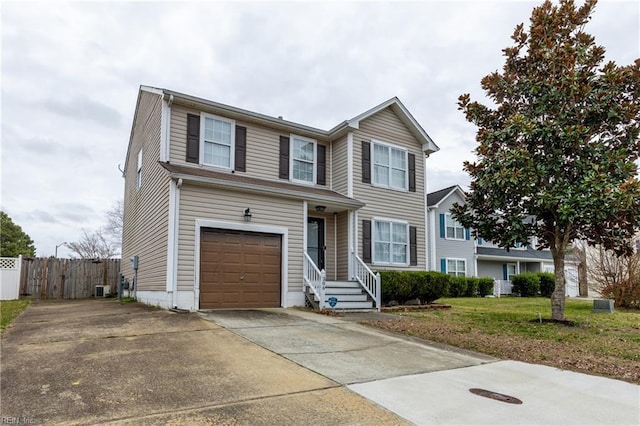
x: 366, y: 162
x: 413, y: 245
x: 321, y: 174
x: 412, y: 172
x: 241, y: 149
x: 366, y: 241
x: 284, y: 157
x: 193, y: 138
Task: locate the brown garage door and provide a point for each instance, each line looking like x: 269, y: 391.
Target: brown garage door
x: 239, y: 269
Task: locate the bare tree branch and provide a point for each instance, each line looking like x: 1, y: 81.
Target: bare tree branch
x: 93, y: 245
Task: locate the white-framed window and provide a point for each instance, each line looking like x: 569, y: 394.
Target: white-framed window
x: 303, y: 159
x: 217, y: 141
x: 139, y: 170
x: 389, y: 166
x: 454, y: 230
x: 390, y: 242
x: 457, y: 267
x: 511, y: 270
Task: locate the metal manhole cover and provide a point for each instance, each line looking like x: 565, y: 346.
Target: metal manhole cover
x: 495, y: 395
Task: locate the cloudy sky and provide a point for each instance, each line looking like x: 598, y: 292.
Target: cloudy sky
x: 71, y: 72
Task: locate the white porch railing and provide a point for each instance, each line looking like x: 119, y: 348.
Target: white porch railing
x: 367, y: 279
x: 314, y: 279
x: 502, y: 287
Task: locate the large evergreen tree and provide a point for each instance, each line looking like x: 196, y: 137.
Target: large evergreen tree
x: 557, y: 150
x: 13, y: 240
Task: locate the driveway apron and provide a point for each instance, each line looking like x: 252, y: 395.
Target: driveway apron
x: 343, y: 351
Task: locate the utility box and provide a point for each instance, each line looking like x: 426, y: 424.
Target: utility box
x: 603, y: 305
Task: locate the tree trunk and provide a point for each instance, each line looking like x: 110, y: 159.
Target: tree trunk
x: 557, y: 297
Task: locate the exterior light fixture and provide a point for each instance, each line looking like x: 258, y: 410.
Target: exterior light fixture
x: 321, y: 208
x: 247, y: 215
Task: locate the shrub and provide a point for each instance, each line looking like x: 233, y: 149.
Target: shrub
x: 472, y: 287
x: 625, y: 294
x: 485, y: 286
x: 526, y: 284
x: 406, y: 285
x: 457, y: 286
x: 434, y: 286
x: 547, y: 283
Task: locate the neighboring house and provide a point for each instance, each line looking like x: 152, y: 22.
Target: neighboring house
x: 229, y: 208
x: 455, y: 252
x: 452, y: 249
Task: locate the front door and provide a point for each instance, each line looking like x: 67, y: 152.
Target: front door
x: 315, y: 241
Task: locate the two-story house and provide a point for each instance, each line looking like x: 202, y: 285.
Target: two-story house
x: 453, y: 250
x: 228, y: 208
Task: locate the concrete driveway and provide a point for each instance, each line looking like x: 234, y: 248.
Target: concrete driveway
x: 96, y: 362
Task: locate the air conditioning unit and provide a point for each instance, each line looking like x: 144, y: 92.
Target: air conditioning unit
x: 103, y: 290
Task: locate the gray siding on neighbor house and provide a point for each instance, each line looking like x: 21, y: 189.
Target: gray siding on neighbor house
x: 450, y: 248
x: 262, y: 149
x: 209, y: 203
x: 146, y: 209
x: 385, y: 126
x: 492, y: 269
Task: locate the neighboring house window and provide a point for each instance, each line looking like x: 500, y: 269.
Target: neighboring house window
x: 139, y: 170
x: 457, y: 267
x: 510, y: 270
x: 390, y: 242
x: 389, y: 166
x: 217, y: 141
x: 303, y: 154
x: 455, y: 231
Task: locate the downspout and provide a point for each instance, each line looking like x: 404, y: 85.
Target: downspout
x: 176, y: 234
x: 335, y: 246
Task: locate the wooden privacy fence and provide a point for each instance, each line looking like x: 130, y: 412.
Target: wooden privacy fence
x: 54, y: 278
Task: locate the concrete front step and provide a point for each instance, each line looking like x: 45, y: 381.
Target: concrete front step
x: 351, y: 305
x: 342, y: 284
x: 345, y: 297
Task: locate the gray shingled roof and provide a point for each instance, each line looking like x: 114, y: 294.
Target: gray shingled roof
x: 529, y: 253
x: 434, y: 198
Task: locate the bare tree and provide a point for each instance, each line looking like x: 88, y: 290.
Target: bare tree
x: 115, y: 219
x: 94, y: 245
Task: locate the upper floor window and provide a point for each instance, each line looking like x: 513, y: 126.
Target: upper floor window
x: 390, y: 242
x: 217, y: 141
x: 139, y: 170
x: 389, y: 166
x: 303, y: 155
x: 457, y: 267
x: 454, y: 230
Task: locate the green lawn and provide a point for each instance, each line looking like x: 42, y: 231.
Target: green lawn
x: 605, y: 344
x: 9, y: 310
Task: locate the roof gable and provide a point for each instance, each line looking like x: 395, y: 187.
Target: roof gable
x: 434, y: 199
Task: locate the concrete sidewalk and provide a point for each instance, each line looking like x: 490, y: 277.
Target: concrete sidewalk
x: 97, y: 362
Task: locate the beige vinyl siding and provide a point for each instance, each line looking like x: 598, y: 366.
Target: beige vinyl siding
x: 340, y: 154
x: 343, y: 245
x: 386, y: 127
x: 146, y: 209
x: 209, y: 203
x: 263, y: 146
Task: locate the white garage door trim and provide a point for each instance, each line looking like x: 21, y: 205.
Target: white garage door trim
x: 206, y: 223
